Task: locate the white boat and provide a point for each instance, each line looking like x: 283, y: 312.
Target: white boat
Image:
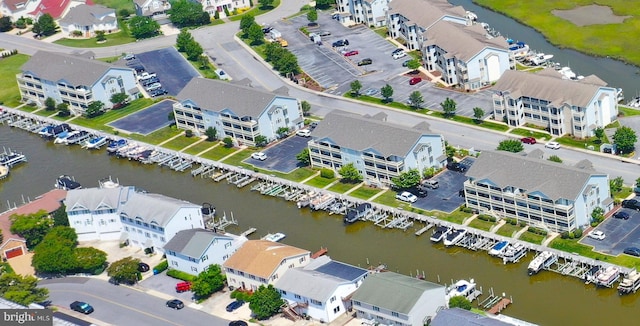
x: 462, y: 288
x: 305, y: 199
x: 543, y: 260
x: 619, y: 95
x: 275, y: 237
x: 439, y: 233
x: 95, y: 142
x: 514, y: 252
x: 454, y: 236
x: 608, y: 277
x: 320, y: 202
x: 540, y: 58
x: 4, y: 171
x: 499, y: 248
x: 631, y: 283
x: 591, y: 276
x: 471, y: 16
x: 567, y: 73
x: 62, y: 137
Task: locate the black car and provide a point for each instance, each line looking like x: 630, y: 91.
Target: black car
x: 158, y: 92
x: 82, y: 307
x: 175, y: 304
x: 340, y: 43
x: 418, y: 192
x: 365, y: 62
x: 621, y: 215
x: 142, y: 267
x: 149, y: 81
x: 267, y: 29
x: 238, y: 323
x: 631, y: 203
x: 633, y: 251
x: 455, y: 166
x: 234, y: 305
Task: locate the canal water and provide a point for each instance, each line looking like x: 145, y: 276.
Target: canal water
x: 546, y: 299
x: 615, y: 73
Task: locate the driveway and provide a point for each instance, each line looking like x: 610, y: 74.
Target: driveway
x: 173, y: 70
x: 620, y: 234
x: 167, y: 285
x: 281, y: 157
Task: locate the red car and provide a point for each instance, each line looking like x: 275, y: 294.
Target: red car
x: 350, y: 53
x: 183, y: 287
x: 528, y: 140
x: 415, y: 80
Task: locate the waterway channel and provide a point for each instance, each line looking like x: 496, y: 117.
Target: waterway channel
x: 546, y: 299
x: 615, y: 73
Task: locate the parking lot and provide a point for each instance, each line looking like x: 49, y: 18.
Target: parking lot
x: 446, y: 197
x: 171, y: 68
x: 146, y: 121
x: 281, y: 157
x: 620, y: 234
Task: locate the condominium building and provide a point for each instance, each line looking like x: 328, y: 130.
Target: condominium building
x: 563, y: 106
x: 368, y: 12
x: 531, y: 189
x: 378, y: 149
x: 240, y: 112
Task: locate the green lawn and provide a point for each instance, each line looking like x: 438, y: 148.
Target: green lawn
x: 9, y: 67
x: 628, y: 112
x: 100, y: 122
x: 208, y: 71
x: 622, y: 194
x: 480, y: 224
x: 456, y: 216
x: 117, y: 4
x: 118, y: 38
x: 342, y: 187
x: 179, y: 143
x: 197, y: 148
x: 157, y: 136
x: 319, y: 182
x: 530, y: 133
x: 579, y: 143
x: 217, y: 153
x: 298, y: 174
x: 382, y: 31
x: 471, y: 121
x: 508, y: 230
x: 603, y: 40
x: 365, y: 192
x: 110, y: 59
x: 572, y: 246
x: 238, y: 157
x: 45, y: 113
x: 29, y: 108
x: 531, y: 237
x: 389, y: 198
x: 256, y: 11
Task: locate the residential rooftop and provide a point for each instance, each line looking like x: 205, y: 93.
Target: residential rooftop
x: 154, y: 208
x: 262, y: 257
x: 194, y: 242
x: 85, y: 15
x: 425, y: 13
x: 462, y: 42
x: 49, y: 202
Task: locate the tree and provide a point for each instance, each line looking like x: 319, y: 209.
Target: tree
x: 304, y: 157
x: 54, y: 256
x: 282, y: 132
x: 265, y: 302
x: 599, y: 133
x: 638, y: 182
x: 324, y: 4
x: 429, y: 172
x: 415, y: 100
x: 407, y: 179
x: 5, y: 24
x: 459, y: 301
x: 255, y: 34
x: 266, y: 4
x: 211, y: 133
x: 349, y: 173
x: 511, y: 145
x: 143, y: 27
x: 94, y: 109
x: 625, y: 139
x: 312, y: 15
x: 228, y: 142
x: 356, y: 86
x: 20, y: 289
x: 203, y: 60
x: 185, y: 13
x: 63, y: 110
x: 478, y: 113
x: 616, y: 185
x: 597, y: 215
x: 100, y: 36
x: 387, y: 92
x: 246, y: 22
x: 287, y: 63
x: 260, y: 140
x: 194, y: 50
x: 119, y: 100
x: 413, y: 64
x: 124, y: 270
x: 555, y: 158
x: 32, y: 227
x: 273, y: 51
x: 124, y: 13
x: 49, y: 104
x: 449, y: 107
x: 306, y: 108
x: 209, y: 281
x: 45, y: 26
x: 90, y: 260
x: 60, y: 217
x: 183, y: 39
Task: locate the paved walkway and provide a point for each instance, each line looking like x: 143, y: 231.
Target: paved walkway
x: 497, y: 227
x: 311, y: 177
x: 170, y: 139
x: 550, y: 237
x: 197, y: 142
x: 517, y: 235
x: 469, y: 219
x: 354, y: 188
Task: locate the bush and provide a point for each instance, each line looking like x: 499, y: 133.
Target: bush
x: 188, y: 133
x: 564, y: 235
x: 466, y: 209
x: 487, y: 218
x: 327, y: 173
x: 537, y: 231
x: 577, y: 233
x: 512, y: 221
x: 181, y: 275
x: 161, y: 267
x: 522, y: 224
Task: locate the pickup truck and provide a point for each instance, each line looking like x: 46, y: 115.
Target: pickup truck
x: 146, y: 75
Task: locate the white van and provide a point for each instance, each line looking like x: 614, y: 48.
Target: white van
x: 430, y: 183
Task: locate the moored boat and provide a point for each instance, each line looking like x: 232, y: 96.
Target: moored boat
x: 631, y: 283
x: 439, y: 233
x: 354, y: 214
x: 115, y: 145
x: 462, y: 288
x: 66, y: 182
x: 499, y: 248
x: 64, y: 136
x: 454, y: 236
x: 4, y: 171
x: 608, y: 276
x: 95, y: 142
x: 514, y: 252
x: 542, y: 261
x: 275, y: 237
x: 10, y: 158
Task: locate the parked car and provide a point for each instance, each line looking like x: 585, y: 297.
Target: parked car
x: 407, y: 197
x: 552, y: 145
x: 175, y: 304
x: 455, y: 166
x: 259, y: 156
x: 153, y: 86
x: 633, y: 251
x: 303, y: 132
x: 621, y: 215
x: 234, y: 305
x: 158, y: 92
x: 149, y: 81
x: 313, y: 125
x: 129, y: 56
x: 340, y: 43
x: 183, y: 287
x: 418, y: 192
x: 414, y: 80
x: 406, y: 63
x: 324, y: 33
x: 597, y: 234
x: 631, y: 203
x: 143, y: 267
x: 430, y: 183
x: 238, y: 323
x: 371, y: 92
x: 399, y: 54
x: 81, y: 307
x: 365, y: 62
x: 398, y: 50
x: 528, y: 140
x: 351, y: 53
x: 267, y: 29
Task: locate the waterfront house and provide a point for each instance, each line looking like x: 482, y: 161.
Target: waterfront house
x: 461, y: 317
x: 194, y: 250
x: 368, y: 12
x: 94, y: 212
x: 262, y: 262
x: 378, y: 149
x: 562, y: 106
x: 73, y: 80
x: 88, y: 20
x: 151, y: 7
x: 531, y: 189
x: 414, y: 303
x: 240, y: 112
x: 322, y: 289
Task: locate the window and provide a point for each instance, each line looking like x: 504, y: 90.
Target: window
x: 395, y: 314
x: 297, y: 296
x: 375, y: 308
x: 194, y: 269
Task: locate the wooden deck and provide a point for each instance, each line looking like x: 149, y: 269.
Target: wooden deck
x: 497, y: 308
x: 321, y: 252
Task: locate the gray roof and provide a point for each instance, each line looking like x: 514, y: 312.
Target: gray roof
x: 193, y: 242
x: 553, y: 179
x: 363, y: 132
x: 461, y: 317
x: 85, y: 15
x: 94, y: 198
x: 406, y: 291
x: 319, y: 279
x: 425, y: 12
x: 153, y: 207
x: 548, y: 86
x: 219, y: 95
x: 463, y: 42
x: 72, y: 69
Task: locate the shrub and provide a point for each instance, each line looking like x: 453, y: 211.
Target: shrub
x: 512, y: 221
x: 487, y: 218
x: 522, y: 224
x: 466, y: 209
x: 181, y: 275
x: 188, y: 133
x: 161, y: 267
x: 564, y: 235
x: 537, y: 231
x: 327, y: 173
x: 577, y: 233
x: 76, y: 33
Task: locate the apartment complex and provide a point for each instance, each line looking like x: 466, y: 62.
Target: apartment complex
x: 368, y: 12
x: 536, y: 191
x: 240, y: 112
x: 563, y: 106
x: 379, y: 150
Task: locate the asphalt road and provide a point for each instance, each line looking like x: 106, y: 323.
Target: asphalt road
x: 218, y: 42
x: 120, y: 305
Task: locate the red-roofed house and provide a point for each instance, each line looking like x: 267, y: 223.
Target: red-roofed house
x: 55, y: 8
x: 34, y: 8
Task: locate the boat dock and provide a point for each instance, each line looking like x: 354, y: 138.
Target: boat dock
x: 424, y: 229
x: 248, y: 232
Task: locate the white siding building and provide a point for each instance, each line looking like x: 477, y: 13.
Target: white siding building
x: 151, y: 7
x: 367, y: 12
x: 89, y: 19
x: 211, y: 6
